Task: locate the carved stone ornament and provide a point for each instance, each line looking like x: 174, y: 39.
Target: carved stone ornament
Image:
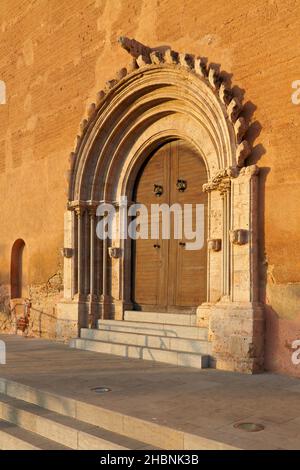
x: 214, y: 244
x: 67, y: 252
x: 114, y: 252
x: 238, y: 236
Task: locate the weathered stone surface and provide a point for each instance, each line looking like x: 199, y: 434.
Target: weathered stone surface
x: 52, y: 86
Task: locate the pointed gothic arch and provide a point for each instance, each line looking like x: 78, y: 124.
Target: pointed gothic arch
x: 167, y: 96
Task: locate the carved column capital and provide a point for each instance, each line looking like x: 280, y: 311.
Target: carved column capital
x: 221, y: 180
x: 249, y: 171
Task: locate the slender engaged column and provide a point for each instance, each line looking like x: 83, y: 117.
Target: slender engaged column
x: 79, y: 213
x: 92, y: 213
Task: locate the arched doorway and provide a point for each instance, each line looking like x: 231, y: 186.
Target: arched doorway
x: 166, y: 96
x: 166, y: 275
x: 16, y: 269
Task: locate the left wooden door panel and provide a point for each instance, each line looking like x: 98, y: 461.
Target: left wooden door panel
x: 151, y: 255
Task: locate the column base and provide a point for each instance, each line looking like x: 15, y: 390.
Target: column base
x: 203, y: 314
x: 72, y: 315
x: 236, y: 330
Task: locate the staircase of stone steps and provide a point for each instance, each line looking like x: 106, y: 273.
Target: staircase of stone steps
x: 170, y: 338
x: 36, y: 419
x: 27, y: 426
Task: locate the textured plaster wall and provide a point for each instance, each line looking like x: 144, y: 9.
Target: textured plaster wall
x: 56, y: 55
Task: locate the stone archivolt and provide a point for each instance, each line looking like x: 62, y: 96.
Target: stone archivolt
x: 144, y: 58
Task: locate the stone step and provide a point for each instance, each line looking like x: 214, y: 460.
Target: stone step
x: 187, y: 319
x: 177, y: 358
x: 160, y: 329
x: 153, y: 434
x: 69, y: 432
x: 13, y: 437
x: 147, y: 340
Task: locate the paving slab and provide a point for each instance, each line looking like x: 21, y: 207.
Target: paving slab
x: 204, y: 403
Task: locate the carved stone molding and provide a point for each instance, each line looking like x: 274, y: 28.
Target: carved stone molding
x: 146, y: 57
x: 221, y: 180
x: 249, y: 171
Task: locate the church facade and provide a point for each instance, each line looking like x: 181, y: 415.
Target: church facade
x: 139, y: 103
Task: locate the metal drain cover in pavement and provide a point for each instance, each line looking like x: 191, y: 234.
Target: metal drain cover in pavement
x: 100, y: 389
x: 249, y: 427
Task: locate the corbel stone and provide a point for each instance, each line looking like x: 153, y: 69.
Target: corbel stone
x: 99, y: 97
x: 156, y: 57
x: 225, y: 94
x: 200, y: 67
x: 214, y: 244
x: 233, y: 109
x: 242, y: 152
x: 121, y: 73
x: 91, y: 110
x: 186, y: 60
x: 239, y: 236
x: 83, y: 125
x: 214, y: 77
x: 171, y: 57
x: 143, y: 60
x: 110, y: 84
x: 240, y: 128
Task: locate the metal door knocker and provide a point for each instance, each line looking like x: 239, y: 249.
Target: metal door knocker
x: 181, y: 185
x: 158, y: 190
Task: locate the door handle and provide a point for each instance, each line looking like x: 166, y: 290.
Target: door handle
x: 182, y: 243
x: 156, y: 246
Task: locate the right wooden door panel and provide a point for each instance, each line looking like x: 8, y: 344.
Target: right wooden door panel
x: 166, y: 274
x: 188, y: 276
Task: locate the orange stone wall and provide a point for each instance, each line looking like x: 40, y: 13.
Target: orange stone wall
x: 55, y: 56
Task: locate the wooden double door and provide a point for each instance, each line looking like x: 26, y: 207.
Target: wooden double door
x: 167, y: 276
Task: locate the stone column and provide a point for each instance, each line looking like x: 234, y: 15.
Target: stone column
x: 92, y: 213
x: 92, y: 268
x: 216, y: 245
x: 236, y: 325
x: 106, y: 304
x: 70, y: 286
x: 72, y: 311
x: 79, y: 213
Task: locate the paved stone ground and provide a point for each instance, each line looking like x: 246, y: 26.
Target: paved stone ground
x: 203, y: 402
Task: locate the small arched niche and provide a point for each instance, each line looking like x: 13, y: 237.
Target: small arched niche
x: 17, y: 270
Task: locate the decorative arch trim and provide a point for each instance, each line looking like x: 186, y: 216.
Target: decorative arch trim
x: 157, y: 85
